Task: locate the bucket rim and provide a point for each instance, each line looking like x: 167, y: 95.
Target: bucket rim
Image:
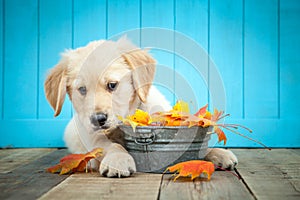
x: 164, y: 127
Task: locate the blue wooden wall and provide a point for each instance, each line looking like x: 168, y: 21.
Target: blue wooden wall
x: 254, y: 44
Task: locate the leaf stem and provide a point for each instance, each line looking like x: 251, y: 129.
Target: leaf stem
x: 236, y: 126
x: 223, y: 117
x: 233, y: 131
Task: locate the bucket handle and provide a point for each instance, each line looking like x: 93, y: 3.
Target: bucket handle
x: 145, y: 140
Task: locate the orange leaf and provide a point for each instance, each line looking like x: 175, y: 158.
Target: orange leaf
x: 221, y: 135
x: 201, y: 111
x: 217, y: 115
x: 192, y: 120
x: 193, y: 168
x: 175, y: 122
x: 75, y: 162
x: 140, y: 117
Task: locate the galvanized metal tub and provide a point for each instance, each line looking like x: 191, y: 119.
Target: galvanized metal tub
x: 154, y: 148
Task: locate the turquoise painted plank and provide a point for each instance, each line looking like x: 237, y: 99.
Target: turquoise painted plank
x: 89, y: 21
x: 32, y: 133
x: 1, y: 55
x: 267, y: 131
x: 123, y: 16
x: 160, y: 15
x: 226, y: 22
x: 20, y: 64
x: 192, y: 73
x: 55, y: 31
x: 261, y: 59
x: 289, y: 59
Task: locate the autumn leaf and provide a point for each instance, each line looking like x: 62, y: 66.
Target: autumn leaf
x: 193, y: 168
x: 128, y: 121
x: 181, y: 116
x: 75, y: 162
x: 201, y: 111
x: 217, y: 115
x: 139, y: 118
x: 221, y: 135
x: 193, y: 120
x: 170, y: 118
x: 181, y: 107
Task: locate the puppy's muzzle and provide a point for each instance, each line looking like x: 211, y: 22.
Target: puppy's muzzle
x: 99, y: 120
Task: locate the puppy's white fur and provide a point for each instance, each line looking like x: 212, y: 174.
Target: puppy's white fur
x: 92, y: 67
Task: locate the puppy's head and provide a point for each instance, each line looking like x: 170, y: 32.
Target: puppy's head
x: 103, y: 79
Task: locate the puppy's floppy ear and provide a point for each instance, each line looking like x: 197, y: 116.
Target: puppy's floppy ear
x: 56, y: 86
x: 143, y: 70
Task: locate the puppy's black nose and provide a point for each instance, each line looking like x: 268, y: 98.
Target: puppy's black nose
x: 98, y: 119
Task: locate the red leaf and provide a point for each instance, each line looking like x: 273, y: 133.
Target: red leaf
x: 201, y: 111
x: 75, y: 162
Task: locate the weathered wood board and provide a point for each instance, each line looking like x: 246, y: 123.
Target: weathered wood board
x: 222, y: 185
x: 271, y: 174
x: 31, y: 180
x: 265, y: 175
x: 10, y: 159
x: 93, y: 186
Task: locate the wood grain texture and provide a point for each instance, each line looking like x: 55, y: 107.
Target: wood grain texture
x: 221, y: 186
x: 270, y: 174
x: 31, y: 180
x: 14, y: 158
x: 266, y: 175
x: 93, y: 186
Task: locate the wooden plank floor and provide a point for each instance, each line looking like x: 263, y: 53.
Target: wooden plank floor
x: 265, y: 175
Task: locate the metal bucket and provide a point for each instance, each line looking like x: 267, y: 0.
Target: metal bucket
x: 154, y: 148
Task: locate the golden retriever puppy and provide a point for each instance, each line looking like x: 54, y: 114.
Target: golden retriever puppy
x: 102, y: 80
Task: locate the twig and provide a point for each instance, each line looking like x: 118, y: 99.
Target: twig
x: 233, y: 131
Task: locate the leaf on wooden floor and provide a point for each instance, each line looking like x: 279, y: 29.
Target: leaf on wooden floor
x: 75, y: 162
x: 192, y: 168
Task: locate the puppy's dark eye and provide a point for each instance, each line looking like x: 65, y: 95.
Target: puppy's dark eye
x: 111, y: 86
x: 82, y: 90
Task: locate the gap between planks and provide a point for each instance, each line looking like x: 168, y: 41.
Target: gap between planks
x: 271, y: 174
x: 150, y: 186
x: 11, y: 159
x: 268, y: 174
x: 93, y: 186
x: 223, y: 185
x: 29, y: 179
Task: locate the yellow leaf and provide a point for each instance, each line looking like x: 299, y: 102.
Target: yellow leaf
x: 140, y: 117
x: 181, y: 106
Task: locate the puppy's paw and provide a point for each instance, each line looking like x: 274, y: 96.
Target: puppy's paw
x: 117, y: 164
x: 222, y: 158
